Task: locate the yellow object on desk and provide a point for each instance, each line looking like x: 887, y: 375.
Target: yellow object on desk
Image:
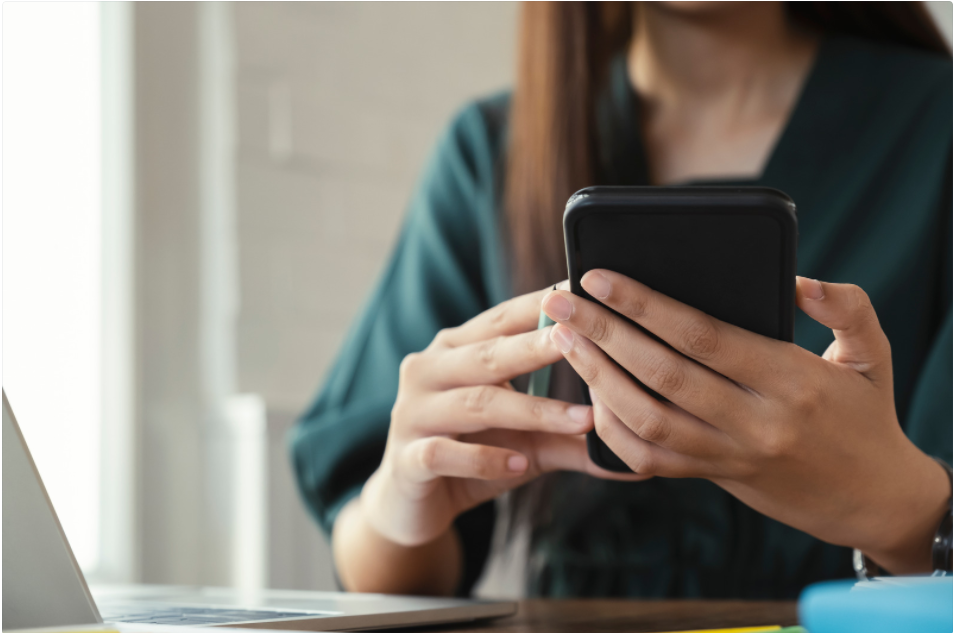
x: 747, y: 629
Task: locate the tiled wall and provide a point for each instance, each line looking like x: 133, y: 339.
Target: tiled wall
x: 339, y: 105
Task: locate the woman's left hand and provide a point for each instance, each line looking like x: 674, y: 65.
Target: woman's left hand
x: 811, y: 441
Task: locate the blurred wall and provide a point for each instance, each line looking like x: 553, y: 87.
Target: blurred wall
x: 338, y: 105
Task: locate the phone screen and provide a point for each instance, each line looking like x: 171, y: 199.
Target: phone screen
x: 729, y: 266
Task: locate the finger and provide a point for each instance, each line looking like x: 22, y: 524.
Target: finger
x: 491, y: 361
x: 859, y: 340
x: 562, y: 452
x: 549, y: 452
x: 691, y: 386
x: 729, y: 350
x: 432, y: 457
x: 644, y: 458
x: 513, y: 316
x: 660, y: 423
x: 475, y: 409
x: 649, y: 419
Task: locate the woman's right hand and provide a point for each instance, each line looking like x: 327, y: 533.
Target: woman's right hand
x: 461, y: 435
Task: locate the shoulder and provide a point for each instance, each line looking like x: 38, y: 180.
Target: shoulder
x: 457, y: 194
x: 465, y: 169
x: 476, y: 134
x: 485, y: 117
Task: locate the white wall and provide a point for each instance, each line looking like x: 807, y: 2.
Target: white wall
x: 338, y: 106
x: 289, y: 134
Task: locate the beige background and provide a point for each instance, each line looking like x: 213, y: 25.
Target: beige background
x: 338, y: 107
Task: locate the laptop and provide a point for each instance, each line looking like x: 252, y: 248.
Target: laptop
x: 44, y: 587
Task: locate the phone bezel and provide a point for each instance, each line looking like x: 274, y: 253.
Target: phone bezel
x: 760, y: 201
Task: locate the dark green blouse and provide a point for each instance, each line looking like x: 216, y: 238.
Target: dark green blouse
x: 866, y: 156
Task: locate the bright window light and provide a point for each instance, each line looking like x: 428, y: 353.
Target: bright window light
x: 52, y: 289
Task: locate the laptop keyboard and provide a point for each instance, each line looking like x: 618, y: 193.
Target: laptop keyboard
x: 197, y: 616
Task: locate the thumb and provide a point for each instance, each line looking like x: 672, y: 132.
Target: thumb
x: 846, y: 309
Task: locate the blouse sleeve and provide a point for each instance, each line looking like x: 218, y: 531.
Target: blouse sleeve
x: 435, y: 279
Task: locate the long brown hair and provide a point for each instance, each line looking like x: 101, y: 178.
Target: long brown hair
x: 563, y: 58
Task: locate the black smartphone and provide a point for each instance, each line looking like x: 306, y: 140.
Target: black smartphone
x: 728, y: 251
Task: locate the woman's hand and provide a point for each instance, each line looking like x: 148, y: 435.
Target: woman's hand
x: 460, y: 435
x: 813, y: 442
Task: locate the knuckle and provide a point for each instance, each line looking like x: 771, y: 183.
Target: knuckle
x: 701, y: 339
x: 600, y: 329
x: 430, y: 454
x: 538, y: 410
x: 807, y: 397
x: 477, y: 399
x: 859, y: 305
x: 591, y: 373
x: 653, y: 426
x: 665, y: 375
x: 409, y: 367
x: 635, y: 307
x: 500, y: 314
x: 859, y: 298
x: 778, y: 441
x: 482, y: 465
x: 488, y: 353
x: 641, y: 461
x: 442, y: 338
x: 398, y: 411
x: 886, y: 348
x: 536, y: 343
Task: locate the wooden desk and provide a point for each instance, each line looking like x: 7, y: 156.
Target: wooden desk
x: 632, y: 616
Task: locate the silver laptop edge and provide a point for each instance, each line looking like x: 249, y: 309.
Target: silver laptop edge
x: 30, y: 525
x: 43, y: 586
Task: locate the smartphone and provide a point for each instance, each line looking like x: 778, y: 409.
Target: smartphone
x: 728, y: 251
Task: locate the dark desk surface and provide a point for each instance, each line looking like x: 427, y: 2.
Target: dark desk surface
x: 633, y: 616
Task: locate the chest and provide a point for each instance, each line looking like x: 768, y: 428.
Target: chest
x: 708, y: 143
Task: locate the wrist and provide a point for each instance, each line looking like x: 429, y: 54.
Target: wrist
x: 369, y: 562
x: 407, y: 520
x: 374, y: 499
x: 907, y: 517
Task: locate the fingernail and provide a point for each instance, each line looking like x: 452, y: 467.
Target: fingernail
x: 517, y: 463
x: 813, y: 289
x: 579, y: 413
x: 563, y: 285
x: 596, y: 284
x: 563, y: 338
x: 557, y: 308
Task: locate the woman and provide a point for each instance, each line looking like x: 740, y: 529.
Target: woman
x: 773, y: 460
